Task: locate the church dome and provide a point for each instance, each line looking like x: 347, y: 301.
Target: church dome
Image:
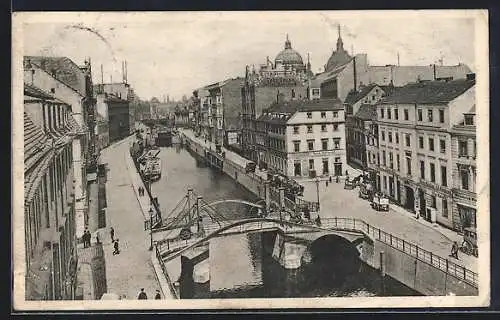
x: 288, y: 55
x: 339, y: 57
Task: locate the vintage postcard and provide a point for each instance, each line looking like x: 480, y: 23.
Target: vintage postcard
x: 215, y: 160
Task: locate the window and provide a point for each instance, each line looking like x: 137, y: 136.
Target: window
x: 396, y: 114
x: 464, y: 175
x: 296, y: 129
x: 391, y: 160
x: 444, y: 206
x: 296, y: 146
x: 433, y: 172
x: 406, y: 114
x: 397, y: 161
x: 407, y: 138
x: 444, y: 179
x: 323, y: 128
x: 384, y: 161
x: 324, y: 144
x: 390, y: 136
x: 442, y: 145
x: 335, y: 114
x: 429, y: 115
x: 433, y: 202
x: 335, y: 127
x: 310, y: 145
x: 397, y: 137
x: 323, y: 115
x: 385, y: 182
x: 388, y: 113
x: 441, y: 116
x: 419, y: 112
x: 469, y: 119
x: 431, y: 144
x: 382, y: 113
x: 462, y: 148
x: 315, y: 92
x: 309, y: 129
x: 422, y: 169
x: 408, y: 166
x: 383, y: 135
x: 421, y: 142
x: 336, y: 143
x: 337, y: 159
x: 311, y: 164
x: 309, y: 115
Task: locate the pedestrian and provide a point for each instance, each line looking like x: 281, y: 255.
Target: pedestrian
x: 116, y: 247
x: 86, y: 238
x: 142, y: 295
x: 330, y: 179
x: 97, y: 240
x: 158, y: 295
x: 112, y: 233
x: 454, y: 250
x: 337, y: 179
x: 326, y: 182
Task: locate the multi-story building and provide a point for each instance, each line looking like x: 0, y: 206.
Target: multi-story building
x: 72, y: 84
x: 118, y: 117
x: 49, y: 195
x: 303, y: 138
x: 345, y: 72
x: 464, y: 152
x: 288, y: 75
x: 360, y: 109
x: 415, y: 144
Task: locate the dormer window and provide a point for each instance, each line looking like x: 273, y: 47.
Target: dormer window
x: 469, y: 119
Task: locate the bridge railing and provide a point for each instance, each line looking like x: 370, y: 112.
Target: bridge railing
x: 165, y: 272
x: 451, y: 268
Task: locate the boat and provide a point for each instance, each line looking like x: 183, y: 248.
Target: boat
x: 152, y: 169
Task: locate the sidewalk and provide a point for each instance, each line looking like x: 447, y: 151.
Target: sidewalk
x: 132, y: 269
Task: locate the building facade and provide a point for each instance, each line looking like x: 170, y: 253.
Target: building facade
x: 415, y: 145
x: 49, y: 196
x: 464, y: 174
x: 288, y: 75
x: 71, y: 84
x: 303, y: 138
x: 118, y: 117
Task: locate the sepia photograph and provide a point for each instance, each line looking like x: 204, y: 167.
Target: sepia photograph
x: 222, y: 160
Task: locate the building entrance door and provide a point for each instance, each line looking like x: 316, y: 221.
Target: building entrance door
x: 338, y: 169
x: 297, y: 169
x: 423, y: 211
x: 410, y: 199
x: 398, y: 191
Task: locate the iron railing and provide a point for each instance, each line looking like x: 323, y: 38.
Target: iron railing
x: 165, y: 273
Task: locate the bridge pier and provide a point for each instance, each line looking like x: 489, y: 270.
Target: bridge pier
x: 288, y: 254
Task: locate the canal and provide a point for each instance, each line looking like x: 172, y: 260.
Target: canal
x: 239, y: 265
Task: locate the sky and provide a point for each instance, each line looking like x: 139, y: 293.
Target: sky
x: 174, y: 53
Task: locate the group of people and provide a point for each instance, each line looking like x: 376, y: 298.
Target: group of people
x: 141, y: 191
x: 144, y: 296
x: 116, y: 246
x: 86, y: 237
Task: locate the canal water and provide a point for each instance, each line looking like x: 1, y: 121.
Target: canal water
x: 240, y: 266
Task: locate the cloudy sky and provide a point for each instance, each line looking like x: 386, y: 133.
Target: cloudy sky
x: 174, y: 53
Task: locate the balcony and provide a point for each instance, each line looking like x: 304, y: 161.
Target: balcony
x: 464, y: 195
x: 467, y: 160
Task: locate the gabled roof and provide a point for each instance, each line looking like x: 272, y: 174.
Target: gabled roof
x: 367, y: 112
x: 283, y: 111
x: 61, y: 68
x: 429, y: 92
x: 317, y: 80
x: 35, y: 92
x: 355, y: 96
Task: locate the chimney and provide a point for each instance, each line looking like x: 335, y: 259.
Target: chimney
x: 434, y: 71
x: 471, y: 76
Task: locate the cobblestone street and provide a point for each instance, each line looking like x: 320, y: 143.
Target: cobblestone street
x: 132, y: 269
x: 339, y: 202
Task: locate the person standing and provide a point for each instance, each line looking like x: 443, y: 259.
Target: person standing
x: 112, y: 233
x: 454, y: 250
x: 116, y: 247
x: 158, y: 295
x: 142, y: 295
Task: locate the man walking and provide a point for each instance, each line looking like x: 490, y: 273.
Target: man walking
x: 142, y: 295
x: 116, y: 247
x: 158, y: 295
x: 112, y: 233
x: 454, y: 250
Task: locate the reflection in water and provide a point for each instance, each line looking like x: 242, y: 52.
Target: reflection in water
x: 242, y: 265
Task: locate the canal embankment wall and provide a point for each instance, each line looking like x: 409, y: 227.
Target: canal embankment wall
x: 418, y: 269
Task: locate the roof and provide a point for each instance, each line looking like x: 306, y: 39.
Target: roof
x: 289, y: 108
x: 288, y: 55
x: 355, y: 96
x: 113, y: 98
x: 429, y: 92
x: 317, y: 80
x: 61, y: 68
x: 35, y: 142
x: 338, y: 58
x: 367, y: 112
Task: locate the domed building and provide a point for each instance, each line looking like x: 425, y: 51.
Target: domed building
x: 289, y: 58
x: 339, y: 57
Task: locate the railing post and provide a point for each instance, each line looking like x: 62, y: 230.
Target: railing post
x: 416, y: 251
x: 335, y: 222
x: 353, y: 223
x: 379, y: 233
x: 447, y: 266
x: 431, y: 258
x: 403, y: 245
x: 390, y: 235
x: 464, y: 272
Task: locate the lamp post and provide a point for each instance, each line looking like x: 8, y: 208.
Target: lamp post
x: 151, y: 228
x: 317, y: 191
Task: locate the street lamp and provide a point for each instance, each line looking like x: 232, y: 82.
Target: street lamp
x: 317, y: 191
x: 151, y: 228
